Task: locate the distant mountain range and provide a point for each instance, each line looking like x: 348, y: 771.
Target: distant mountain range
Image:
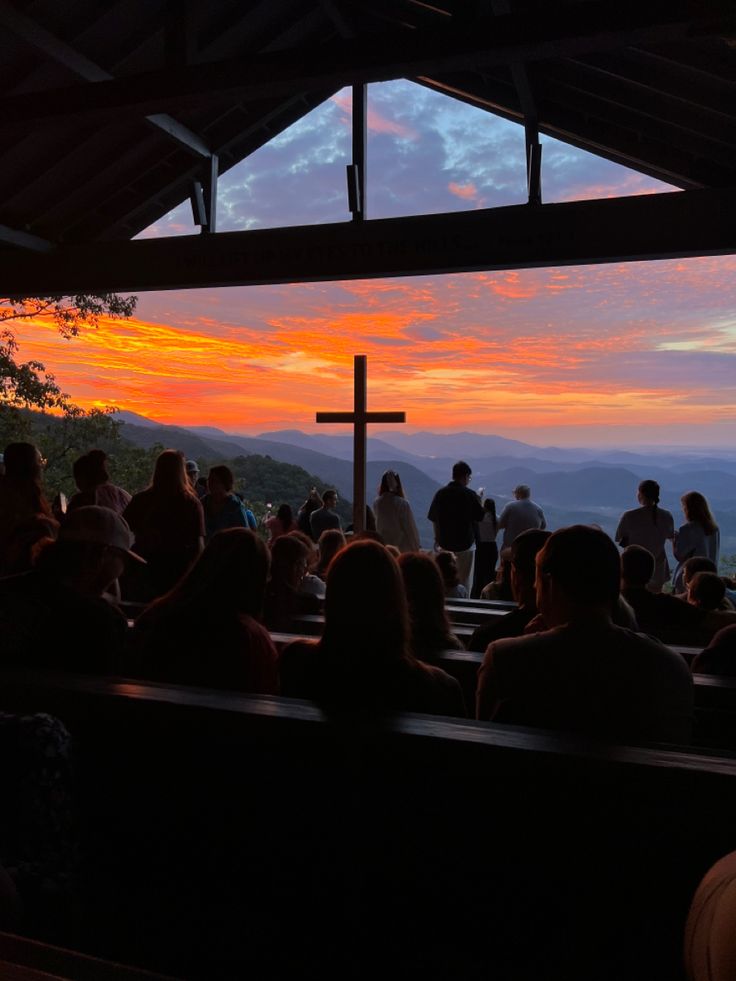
x: 572, y: 485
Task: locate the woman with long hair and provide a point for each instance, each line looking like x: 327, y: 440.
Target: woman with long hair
x: 649, y: 526
x: 394, y: 518
x: 486, y: 549
x: 205, y: 631
x: 168, y: 523
x: 281, y: 523
x: 363, y: 663
x: 425, y: 593
x: 21, y: 495
x: 330, y: 543
x: 699, y: 535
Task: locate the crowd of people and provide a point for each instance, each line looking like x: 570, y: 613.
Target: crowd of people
x: 177, y: 583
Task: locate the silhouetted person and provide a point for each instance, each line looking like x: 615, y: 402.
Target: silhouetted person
x: 168, y: 523
x: 394, y: 517
x: 21, y: 495
x: 454, y: 513
x: 649, y: 526
x: 330, y: 543
x: 222, y: 508
x: 523, y: 573
x: 707, y: 591
x: 326, y: 516
x: 670, y: 619
x: 584, y: 673
x: 719, y: 657
x: 206, y: 630
x: 362, y: 664
x: 57, y: 616
x: 447, y: 565
x: 521, y: 514
x: 285, y: 601
x: 281, y: 523
x: 428, y: 620
x: 698, y: 536
x: 312, y: 503
x: 93, y: 480
x: 486, y: 549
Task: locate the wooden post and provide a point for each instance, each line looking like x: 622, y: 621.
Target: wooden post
x: 360, y: 439
x: 360, y: 417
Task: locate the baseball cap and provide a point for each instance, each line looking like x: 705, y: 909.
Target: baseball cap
x: 98, y: 526
x: 192, y: 466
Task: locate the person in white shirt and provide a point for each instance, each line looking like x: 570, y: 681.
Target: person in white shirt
x: 394, y: 518
x: 520, y: 515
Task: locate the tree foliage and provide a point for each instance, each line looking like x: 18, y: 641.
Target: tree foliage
x: 69, y: 313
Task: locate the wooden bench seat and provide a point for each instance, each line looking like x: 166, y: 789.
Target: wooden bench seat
x: 225, y: 835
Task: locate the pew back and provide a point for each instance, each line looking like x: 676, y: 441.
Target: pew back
x: 225, y: 834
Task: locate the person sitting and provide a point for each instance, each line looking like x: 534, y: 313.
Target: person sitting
x: 285, y: 600
x: 168, y: 523
x: 223, y: 509
x: 57, y: 616
x: 698, y: 563
x: 311, y: 583
x: 447, y: 564
x: 281, y: 523
x: 393, y: 515
x: 500, y: 588
x: 330, y: 543
x: 93, y: 480
x: 707, y: 591
x: 206, y: 631
x: 21, y: 495
x: 585, y: 674
x: 25, y: 542
x: 324, y: 517
x: 362, y: 664
x: 523, y: 572
x: 428, y: 620
x: 658, y: 614
x: 719, y: 657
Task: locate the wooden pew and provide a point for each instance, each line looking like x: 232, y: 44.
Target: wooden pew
x: 22, y: 959
x: 233, y: 836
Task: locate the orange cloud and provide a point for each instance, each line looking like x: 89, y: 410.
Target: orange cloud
x: 467, y: 191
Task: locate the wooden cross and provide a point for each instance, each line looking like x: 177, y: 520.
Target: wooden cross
x: 360, y: 417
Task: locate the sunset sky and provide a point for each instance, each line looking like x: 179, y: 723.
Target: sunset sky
x: 635, y: 353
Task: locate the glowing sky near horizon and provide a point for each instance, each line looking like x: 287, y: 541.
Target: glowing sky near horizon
x: 635, y: 353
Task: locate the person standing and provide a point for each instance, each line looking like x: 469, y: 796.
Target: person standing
x: 324, y: 517
x: 223, y: 508
x: 699, y: 536
x: 454, y: 512
x: 394, y: 519
x: 486, y: 551
x: 521, y: 514
x: 649, y: 526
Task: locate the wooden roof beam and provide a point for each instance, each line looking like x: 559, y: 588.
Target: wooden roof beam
x: 656, y: 226
x: 64, y: 54
x: 492, y: 41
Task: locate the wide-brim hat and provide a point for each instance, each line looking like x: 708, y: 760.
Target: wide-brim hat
x: 99, y: 526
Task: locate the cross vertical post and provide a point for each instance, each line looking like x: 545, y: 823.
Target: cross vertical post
x: 360, y: 417
x: 360, y: 399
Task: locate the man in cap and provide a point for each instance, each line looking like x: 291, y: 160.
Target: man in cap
x: 58, y: 616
